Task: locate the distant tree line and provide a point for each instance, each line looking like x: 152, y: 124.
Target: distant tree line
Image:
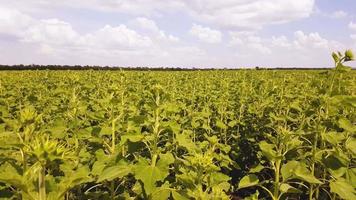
x: 90, y: 67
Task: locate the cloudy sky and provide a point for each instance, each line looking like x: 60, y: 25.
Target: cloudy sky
x: 176, y: 33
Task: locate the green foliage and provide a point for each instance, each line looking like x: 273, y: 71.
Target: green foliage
x: 178, y: 135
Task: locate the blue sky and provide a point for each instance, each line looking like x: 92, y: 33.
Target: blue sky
x: 176, y: 33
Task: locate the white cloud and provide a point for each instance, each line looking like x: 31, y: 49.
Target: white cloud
x: 281, y: 41
x: 260, y: 48
x: 119, y: 37
x: 339, y: 14
x: 305, y: 42
x: 228, y: 13
x: 353, y: 36
x: 256, y: 43
x: 352, y: 26
x: 13, y: 22
x: 301, y: 45
x: 51, y: 32
x: 249, y: 41
x: 146, y: 24
x: 150, y: 27
x: 132, y: 7
x: 56, y: 41
x: 57, y: 37
x: 190, y: 50
x: 206, y: 34
x: 313, y: 40
x: 249, y: 14
x: 237, y: 38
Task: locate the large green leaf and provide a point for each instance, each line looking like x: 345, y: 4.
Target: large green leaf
x: 295, y: 169
x: 218, y: 178
x: 351, y: 146
x: 131, y: 138
x: 303, y: 173
x: 351, y: 176
x: 178, y: 196
x: 10, y: 175
x: 256, y: 169
x: 70, y: 180
x: 150, y: 174
x: 343, y: 189
x: 184, y: 141
x: 119, y: 170
x: 286, y: 188
x: 334, y: 166
x: 221, y: 124
x: 346, y: 125
x: 268, y: 150
x: 248, y: 181
x: 334, y: 138
x: 165, y: 159
x: 287, y: 169
x: 161, y: 193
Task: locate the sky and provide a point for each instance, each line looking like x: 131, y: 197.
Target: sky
x: 176, y: 33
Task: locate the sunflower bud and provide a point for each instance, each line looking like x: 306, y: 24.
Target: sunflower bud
x: 349, y: 55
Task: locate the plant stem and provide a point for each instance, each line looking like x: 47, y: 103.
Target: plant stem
x: 154, y: 160
x: 42, y: 183
x: 276, y: 180
x: 113, y: 136
x: 112, y: 189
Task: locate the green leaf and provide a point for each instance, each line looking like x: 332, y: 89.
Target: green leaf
x: 165, y: 160
x: 10, y: 175
x: 184, y: 141
x: 70, y: 180
x: 334, y: 166
x: 334, y: 138
x: 58, y: 132
x: 346, y: 125
x: 351, y: 145
x: 303, y: 173
x: 9, y: 139
x: 343, y: 189
x: 221, y: 124
x: 105, y: 130
x: 351, y: 176
x: 175, y: 127
x: 232, y: 123
x: 177, y: 196
x: 248, y: 181
x: 295, y: 169
x: 268, y: 150
x: 335, y: 57
x: 286, y: 188
x: 293, y: 143
x: 254, y: 196
x: 161, y: 193
x: 218, y: 178
x: 150, y: 174
x: 287, y: 169
x: 342, y: 68
x: 120, y: 170
x: 296, y: 106
x: 131, y: 138
x: 256, y: 169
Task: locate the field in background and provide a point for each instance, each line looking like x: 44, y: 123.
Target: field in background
x: 177, y: 135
